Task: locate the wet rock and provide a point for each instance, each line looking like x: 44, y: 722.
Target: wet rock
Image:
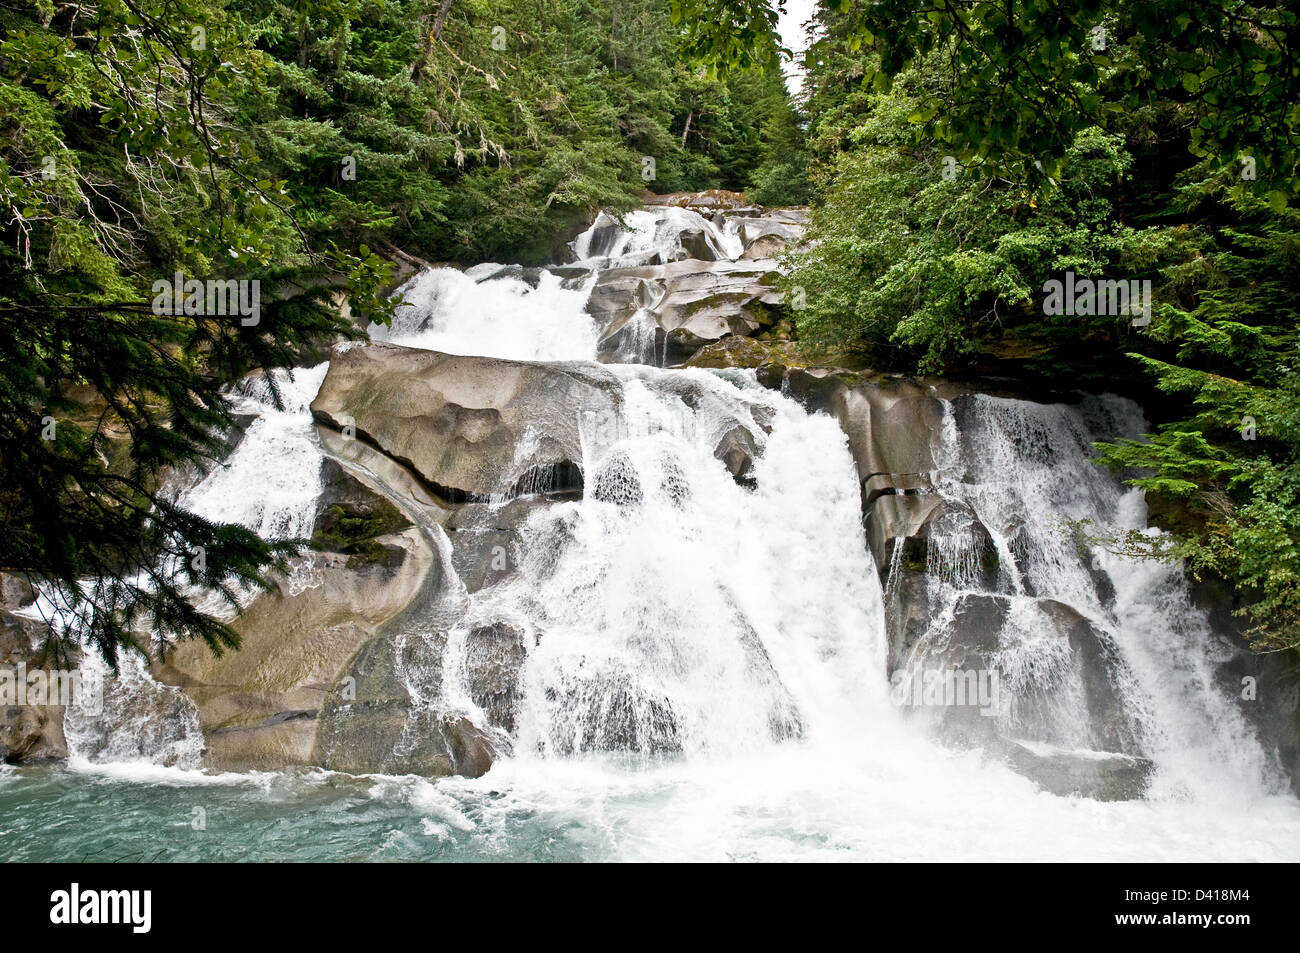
x: 764, y: 248
x: 709, y: 199
x: 352, y: 520
x: 391, y: 721
x: 1101, y: 777
x: 390, y: 737
x: 487, y: 542
x: 28, y: 733
x: 617, y: 482
x: 944, y: 533
x: 1069, y: 689
x: 470, y: 427
x: 612, y: 713
x: 680, y: 345
x: 710, y: 299
x: 737, y: 450
x: 699, y: 244
x: 731, y: 351
x: 494, y: 654
x: 298, y: 642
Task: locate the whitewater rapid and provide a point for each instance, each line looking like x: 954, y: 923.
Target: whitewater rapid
x: 732, y: 633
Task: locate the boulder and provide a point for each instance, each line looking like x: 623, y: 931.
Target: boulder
x: 710, y: 299
x: 259, y: 707
x: 1099, y: 776
x: 470, y: 427
x: 28, y: 733
x: 1066, y: 695
x: 494, y: 654
x: 487, y: 540
x: 731, y: 351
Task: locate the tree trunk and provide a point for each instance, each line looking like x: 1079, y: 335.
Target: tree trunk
x: 441, y: 18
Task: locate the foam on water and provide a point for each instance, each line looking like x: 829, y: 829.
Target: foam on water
x: 505, y: 317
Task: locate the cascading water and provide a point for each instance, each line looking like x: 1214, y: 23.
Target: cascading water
x: 270, y: 484
x: 449, y: 311
x: 705, y: 656
x: 675, y: 610
x: 278, y: 455
x: 656, y: 235
x: 1022, y: 471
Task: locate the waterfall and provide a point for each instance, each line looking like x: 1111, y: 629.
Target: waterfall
x: 141, y: 721
x: 270, y: 484
x: 676, y: 610
x: 278, y: 457
x: 660, y: 234
x: 1022, y: 470
x: 448, y: 310
x: 695, y: 658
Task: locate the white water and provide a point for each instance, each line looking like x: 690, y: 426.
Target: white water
x: 1024, y: 469
x: 730, y: 643
x: 500, y: 317
x: 270, y: 484
x: 646, y: 233
x: 706, y: 674
x: 673, y: 610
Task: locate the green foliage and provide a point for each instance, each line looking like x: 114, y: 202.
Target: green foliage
x: 1028, y: 76
x: 919, y: 262
x: 1120, y: 163
x: 493, y: 131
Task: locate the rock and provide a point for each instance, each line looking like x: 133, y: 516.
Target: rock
x: 922, y: 522
x: 603, y: 237
x: 737, y: 449
x: 390, y: 737
x: 486, y: 541
x: 392, y: 721
x: 731, y: 351
x: 256, y: 705
x: 710, y: 299
x: 15, y: 591
x: 767, y: 237
x: 698, y: 244
x: 1069, y: 690
x: 32, y: 734
x: 709, y: 199
x: 1102, y: 777
x: 494, y: 654
x: 470, y: 427
x: 680, y: 345
x: 771, y: 374
x: 28, y: 733
x: 764, y: 248
x: 351, y: 519
x: 617, y: 482
x: 613, y: 712
x: 817, y: 388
